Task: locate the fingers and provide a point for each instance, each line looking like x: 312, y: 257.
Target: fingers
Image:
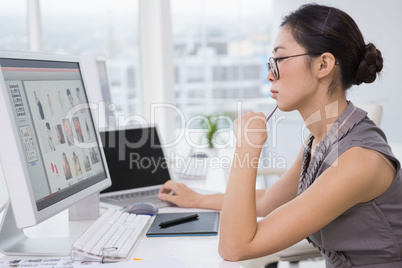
x: 168, y: 187
x: 250, y: 120
x: 251, y: 116
x: 167, y: 191
x: 177, y: 193
x: 167, y: 197
x: 250, y: 130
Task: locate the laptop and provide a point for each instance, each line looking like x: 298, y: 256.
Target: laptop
x: 137, y: 166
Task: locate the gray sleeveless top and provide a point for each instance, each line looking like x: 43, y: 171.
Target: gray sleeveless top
x: 368, y: 235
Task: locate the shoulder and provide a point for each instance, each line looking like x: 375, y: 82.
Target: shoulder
x: 364, y: 171
x: 366, y: 134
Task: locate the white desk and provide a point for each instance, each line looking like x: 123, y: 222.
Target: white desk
x: 200, y: 251
x: 194, y: 251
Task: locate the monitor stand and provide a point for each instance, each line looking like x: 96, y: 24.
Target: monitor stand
x: 13, y: 241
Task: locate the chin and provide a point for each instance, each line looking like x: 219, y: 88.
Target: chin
x: 285, y: 108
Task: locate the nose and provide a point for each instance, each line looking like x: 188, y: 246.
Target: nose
x: 270, y: 76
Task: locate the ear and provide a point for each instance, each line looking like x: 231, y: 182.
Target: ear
x: 326, y: 63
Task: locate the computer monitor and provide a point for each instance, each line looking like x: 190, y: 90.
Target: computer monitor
x: 50, y: 147
x: 95, y: 69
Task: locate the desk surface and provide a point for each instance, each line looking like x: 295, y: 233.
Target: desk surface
x: 194, y: 251
x: 200, y: 251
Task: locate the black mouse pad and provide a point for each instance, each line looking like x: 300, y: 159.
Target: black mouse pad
x: 206, y: 224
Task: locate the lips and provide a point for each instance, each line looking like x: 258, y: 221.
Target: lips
x: 274, y: 93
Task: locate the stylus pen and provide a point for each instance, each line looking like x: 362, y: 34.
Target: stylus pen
x: 271, y: 113
x: 190, y: 217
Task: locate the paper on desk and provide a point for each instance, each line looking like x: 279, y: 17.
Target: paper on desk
x: 166, y: 262
x: 55, y: 262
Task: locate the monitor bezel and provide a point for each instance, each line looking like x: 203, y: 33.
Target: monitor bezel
x: 15, y: 171
x: 102, y: 100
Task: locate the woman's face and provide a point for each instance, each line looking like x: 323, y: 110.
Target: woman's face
x: 295, y: 83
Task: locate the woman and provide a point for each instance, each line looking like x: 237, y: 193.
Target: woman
x: 40, y: 108
x: 77, y: 164
x: 69, y: 132
x: 50, y: 137
x: 344, y: 190
x: 60, y: 136
x: 66, y: 167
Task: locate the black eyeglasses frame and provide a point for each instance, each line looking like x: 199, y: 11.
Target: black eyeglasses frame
x: 273, y: 65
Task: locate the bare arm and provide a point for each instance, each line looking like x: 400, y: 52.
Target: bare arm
x: 239, y: 209
x: 267, y: 200
x: 282, y: 191
x: 181, y: 195
x: 359, y: 176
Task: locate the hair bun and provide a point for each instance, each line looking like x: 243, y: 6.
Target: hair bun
x: 370, y: 65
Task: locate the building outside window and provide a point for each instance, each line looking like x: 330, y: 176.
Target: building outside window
x: 109, y: 28
x: 219, y: 47
x: 13, y: 21
x: 220, y: 50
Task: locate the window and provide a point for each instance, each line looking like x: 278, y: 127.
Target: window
x: 220, y: 48
x: 13, y: 21
x: 195, y: 74
x: 108, y: 28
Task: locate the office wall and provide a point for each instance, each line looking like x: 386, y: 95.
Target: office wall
x: 381, y: 24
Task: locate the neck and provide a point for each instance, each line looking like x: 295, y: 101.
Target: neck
x: 319, y: 117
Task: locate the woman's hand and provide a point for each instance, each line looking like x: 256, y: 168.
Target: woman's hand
x: 251, y: 130
x: 179, y: 194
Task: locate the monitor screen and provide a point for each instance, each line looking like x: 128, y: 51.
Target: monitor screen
x: 51, y: 135
x: 135, y: 158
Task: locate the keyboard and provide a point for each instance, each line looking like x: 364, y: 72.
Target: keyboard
x: 150, y: 196
x: 111, y: 238
x: 196, y: 167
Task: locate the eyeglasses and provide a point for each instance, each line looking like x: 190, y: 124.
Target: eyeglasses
x: 272, y: 63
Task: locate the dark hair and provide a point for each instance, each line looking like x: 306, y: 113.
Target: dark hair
x: 322, y: 29
x: 68, y: 92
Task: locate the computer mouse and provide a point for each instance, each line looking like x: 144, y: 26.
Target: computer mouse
x: 142, y: 208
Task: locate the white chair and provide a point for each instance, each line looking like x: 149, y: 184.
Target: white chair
x: 374, y: 110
